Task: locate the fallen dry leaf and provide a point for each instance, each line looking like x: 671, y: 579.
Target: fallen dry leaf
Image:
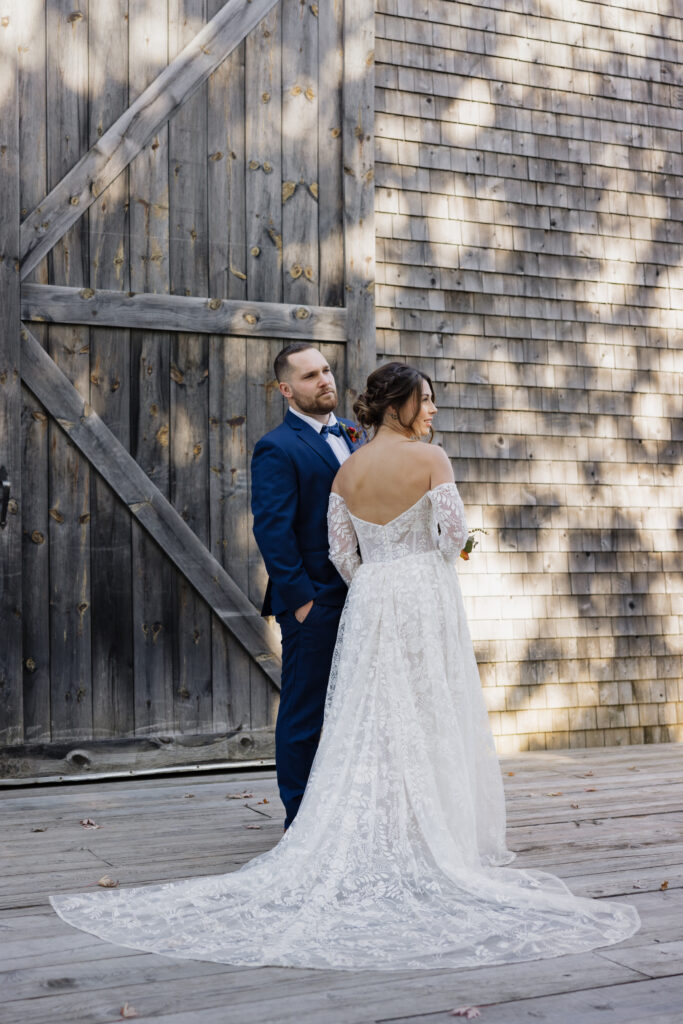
x: 128, y: 1011
x: 590, y: 789
x: 238, y: 796
x: 264, y: 801
x: 633, y: 768
x: 88, y: 823
x: 586, y: 775
x: 509, y: 773
x: 107, y: 883
x: 664, y: 885
x: 558, y: 793
x: 189, y: 796
x: 39, y: 828
x: 470, y: 1012
x: 252, y: 826
x: 575, y: 806
x: 638, y: 885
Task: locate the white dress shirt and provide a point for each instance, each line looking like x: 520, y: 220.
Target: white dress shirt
x: 337, y: 444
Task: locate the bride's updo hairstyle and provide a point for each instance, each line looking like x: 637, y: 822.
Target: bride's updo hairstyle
x: 391, y: 386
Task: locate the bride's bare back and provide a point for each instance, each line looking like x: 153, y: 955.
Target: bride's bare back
x: 388, y: 475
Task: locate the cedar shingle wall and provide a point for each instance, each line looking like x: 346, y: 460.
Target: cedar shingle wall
x: 529, y: 208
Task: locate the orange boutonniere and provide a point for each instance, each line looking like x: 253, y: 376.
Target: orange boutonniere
x: 351, y: 432
x: 471, y: 544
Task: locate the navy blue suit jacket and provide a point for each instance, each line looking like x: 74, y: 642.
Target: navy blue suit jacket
x: 292, y: 470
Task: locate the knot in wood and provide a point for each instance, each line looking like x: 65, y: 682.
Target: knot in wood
x: 251, y: 318
x: 296, y: 271
x: 37, y: 537
x: 215, y: 303
x: 86, y: 293
x: 302, y: 313
x: 255, y: 251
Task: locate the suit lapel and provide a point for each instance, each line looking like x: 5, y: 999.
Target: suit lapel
x: 313, y: 439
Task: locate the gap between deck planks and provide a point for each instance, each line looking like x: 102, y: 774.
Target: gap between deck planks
x: 51, y: 972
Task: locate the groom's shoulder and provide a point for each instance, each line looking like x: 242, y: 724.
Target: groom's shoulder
x: 278, y: 437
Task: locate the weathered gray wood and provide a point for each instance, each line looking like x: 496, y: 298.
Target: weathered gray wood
x: 86, y: 430
x: 11, y: 702
x: 152, y: 752
x: 34, y: 420
x: 300, y: 182
x: 189, y: 448
x: 359, y: 171
x: 228, y: 466
x: 51, y: 304
x: 110, y: 535
x: 330, y: 182
x: 263, y: 144
x: 152, y: 599
x: 178, y: 837
x: 72, y: 195
x: 69, y: 475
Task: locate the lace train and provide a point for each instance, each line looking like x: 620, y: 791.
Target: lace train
x: 395, y: 859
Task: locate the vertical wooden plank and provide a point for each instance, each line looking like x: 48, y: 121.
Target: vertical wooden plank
x: 300, y: 184
x: 330, y: 205
x: 264, y: 277
x: 189, y: 372
x: 152, y: 593
x: 228, y: 508
x: 110, y: 530
x: 69, y: 477
x: 359, y: 171
x: 11, y: 709
x: 34, y: 433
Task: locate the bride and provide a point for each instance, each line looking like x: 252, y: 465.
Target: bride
x: 396, y: 859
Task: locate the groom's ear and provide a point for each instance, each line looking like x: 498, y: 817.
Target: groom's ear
x: 285, y: 388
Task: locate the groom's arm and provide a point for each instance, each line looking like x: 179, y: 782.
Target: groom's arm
x: 274, y: 501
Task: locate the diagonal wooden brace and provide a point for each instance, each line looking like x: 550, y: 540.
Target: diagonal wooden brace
x: 149, y: 506
x: 111, y: 154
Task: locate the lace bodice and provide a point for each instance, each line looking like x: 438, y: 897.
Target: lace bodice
x: 435, y: 521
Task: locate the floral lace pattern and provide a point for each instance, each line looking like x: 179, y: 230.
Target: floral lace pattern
x: 396, y: 858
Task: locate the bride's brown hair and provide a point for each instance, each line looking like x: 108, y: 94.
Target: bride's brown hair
x: 392, y: 384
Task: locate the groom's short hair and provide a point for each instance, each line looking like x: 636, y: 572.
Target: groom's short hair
x: 281, y: 363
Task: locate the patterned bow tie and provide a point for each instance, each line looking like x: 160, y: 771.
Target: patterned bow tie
x: 333, y: 429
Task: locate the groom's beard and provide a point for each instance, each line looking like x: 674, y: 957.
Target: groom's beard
x: 320, y: 404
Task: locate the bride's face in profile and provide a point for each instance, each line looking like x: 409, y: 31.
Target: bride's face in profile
x: 422, y: 424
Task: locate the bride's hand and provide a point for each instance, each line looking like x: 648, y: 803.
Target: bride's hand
x: 301, y: 613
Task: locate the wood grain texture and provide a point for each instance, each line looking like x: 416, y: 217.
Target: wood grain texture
x: 359, y: 171
x: 189, y: 449
x: 265, y: 319
x: 264, y: 405
x: 85, y: 429
x: 330, y: 156
x: 11, y: 693
x: 110, y: 534
x: 152, y: 598
x: 228, y: 457
x: 69, y: 475
x: 300, y: 178
x: 34, y: 419
x: 85, y: 181
x: 177, y: 837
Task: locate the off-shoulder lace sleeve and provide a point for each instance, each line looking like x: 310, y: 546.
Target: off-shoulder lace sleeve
x: 342, y: 538
x: 448, y: 519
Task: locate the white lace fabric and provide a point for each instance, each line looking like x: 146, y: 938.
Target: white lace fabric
x: 396, y: 858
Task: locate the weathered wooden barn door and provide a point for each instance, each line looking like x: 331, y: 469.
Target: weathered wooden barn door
x: 187, y: 184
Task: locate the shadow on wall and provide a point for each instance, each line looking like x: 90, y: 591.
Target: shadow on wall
x: 539, y: 207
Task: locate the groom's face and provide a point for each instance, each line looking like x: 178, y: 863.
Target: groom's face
x: 308, y: 384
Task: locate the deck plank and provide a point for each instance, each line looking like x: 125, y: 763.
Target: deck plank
x: 624, y: 840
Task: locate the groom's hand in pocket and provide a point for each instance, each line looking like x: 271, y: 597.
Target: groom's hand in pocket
x: 301, y: 613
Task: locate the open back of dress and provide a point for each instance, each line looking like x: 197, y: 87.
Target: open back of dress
x: 395, y: 859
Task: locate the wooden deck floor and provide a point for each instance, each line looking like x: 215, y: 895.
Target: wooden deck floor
x: 610, y: 822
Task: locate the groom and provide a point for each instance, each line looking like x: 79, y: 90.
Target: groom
x: 292, y: 470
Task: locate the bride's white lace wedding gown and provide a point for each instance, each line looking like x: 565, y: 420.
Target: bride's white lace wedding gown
x: 394, y: 860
